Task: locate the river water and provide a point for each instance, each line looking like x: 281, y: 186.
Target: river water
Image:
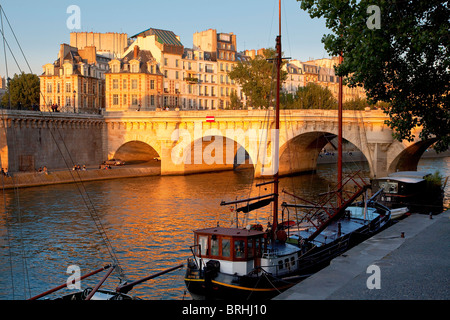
x: 147, y: 220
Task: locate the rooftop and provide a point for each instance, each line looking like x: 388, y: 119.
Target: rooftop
x: 233, y: 232
x: 162, y: 36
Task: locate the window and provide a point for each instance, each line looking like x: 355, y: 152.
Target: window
x: 68, y: 87
x: 115, y: 84
x: 226, y: 248
x: 67, y: 101
x: 239, y: 249
x: 115, y: 99
x: 250, y: 248
x: 166, y: 62
x: 58, y: 88
x: 152, y: 84
x: 134, y: 84
x: 203, y: 242
x: 214, y: 246
x: 134, y: 100
x: 125, y: 99
x: 165, y: 74
x: 49, y: 88
x: 152, y: 100
x: 135, y: 68
x: 124, y: 84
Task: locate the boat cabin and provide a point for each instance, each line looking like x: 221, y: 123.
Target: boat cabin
x: 237, y: 250
x: 407, y: 189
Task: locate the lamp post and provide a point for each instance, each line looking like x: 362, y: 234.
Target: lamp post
x: 9, y: 92
x: 74, y: 93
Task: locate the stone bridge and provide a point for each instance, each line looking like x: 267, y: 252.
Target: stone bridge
x: 199, y: 141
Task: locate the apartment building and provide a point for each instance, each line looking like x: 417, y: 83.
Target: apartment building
x: 134, y: 82
x: 167, y: 50
x: 321, y: 72
x: 221, y: 48
x: 75, y: 82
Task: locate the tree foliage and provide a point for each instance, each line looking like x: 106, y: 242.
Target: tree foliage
x: 312, y: 96
x: 24, y: 90
x: 404, y: 63
x: 257, y: 78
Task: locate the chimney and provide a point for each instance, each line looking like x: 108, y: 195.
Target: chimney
x: 136, y: 52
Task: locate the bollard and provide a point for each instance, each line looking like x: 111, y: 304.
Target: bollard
x: 402, y: 235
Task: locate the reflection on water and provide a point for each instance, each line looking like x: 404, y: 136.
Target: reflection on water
x: 148, y: 220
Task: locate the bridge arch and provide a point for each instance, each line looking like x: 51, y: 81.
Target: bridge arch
x: 135, y: 151
x: 212, y: 152
x: 408, y: 158
x: 300, y: 153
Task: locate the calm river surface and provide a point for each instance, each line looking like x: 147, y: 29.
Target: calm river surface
x: 148, y: 220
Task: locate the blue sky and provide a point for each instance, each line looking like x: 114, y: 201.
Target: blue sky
x: 40, y: 26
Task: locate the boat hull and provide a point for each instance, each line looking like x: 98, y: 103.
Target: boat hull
x: 204, y: 285
x: 319, y: 257
x: 231, y: 287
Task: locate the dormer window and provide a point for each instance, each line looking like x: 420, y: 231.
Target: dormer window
x: 115, y: 68
x: 135, y: 68
x: 68, y: 70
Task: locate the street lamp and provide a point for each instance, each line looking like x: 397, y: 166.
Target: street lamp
x: 74, y: 93
x: 9, y: 92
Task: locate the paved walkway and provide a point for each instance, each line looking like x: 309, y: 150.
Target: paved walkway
x: 416, y: 267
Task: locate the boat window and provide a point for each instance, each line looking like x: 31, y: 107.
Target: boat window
x: 293, y: 261
x: 286, y: 261
x: 214, y: 246
x: 239, y: 249
x: 258, y: 247
x: 250, y: 248
x: 225, y: 247
x: 203, y: 242
x: 280, y: 264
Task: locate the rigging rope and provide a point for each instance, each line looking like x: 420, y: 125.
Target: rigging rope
x: 81, y: 189
x: 16, y: 189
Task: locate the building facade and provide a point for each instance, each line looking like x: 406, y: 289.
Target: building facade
x: 108, y: 44
x: 134, y: 82
x: 154, y: 70
x: 167, y: 50
x: 220, y: 51
x: 75, y: 82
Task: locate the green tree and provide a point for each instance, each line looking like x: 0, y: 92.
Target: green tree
x: 404, y: 61
x: 235, y: 102
x: 356, y: 104
x: 257, y: 78
x: 24, y: 90
x: 313, y: 96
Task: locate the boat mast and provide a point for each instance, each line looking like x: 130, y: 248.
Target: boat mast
x: 340, y: 129
x: 277, y: 124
